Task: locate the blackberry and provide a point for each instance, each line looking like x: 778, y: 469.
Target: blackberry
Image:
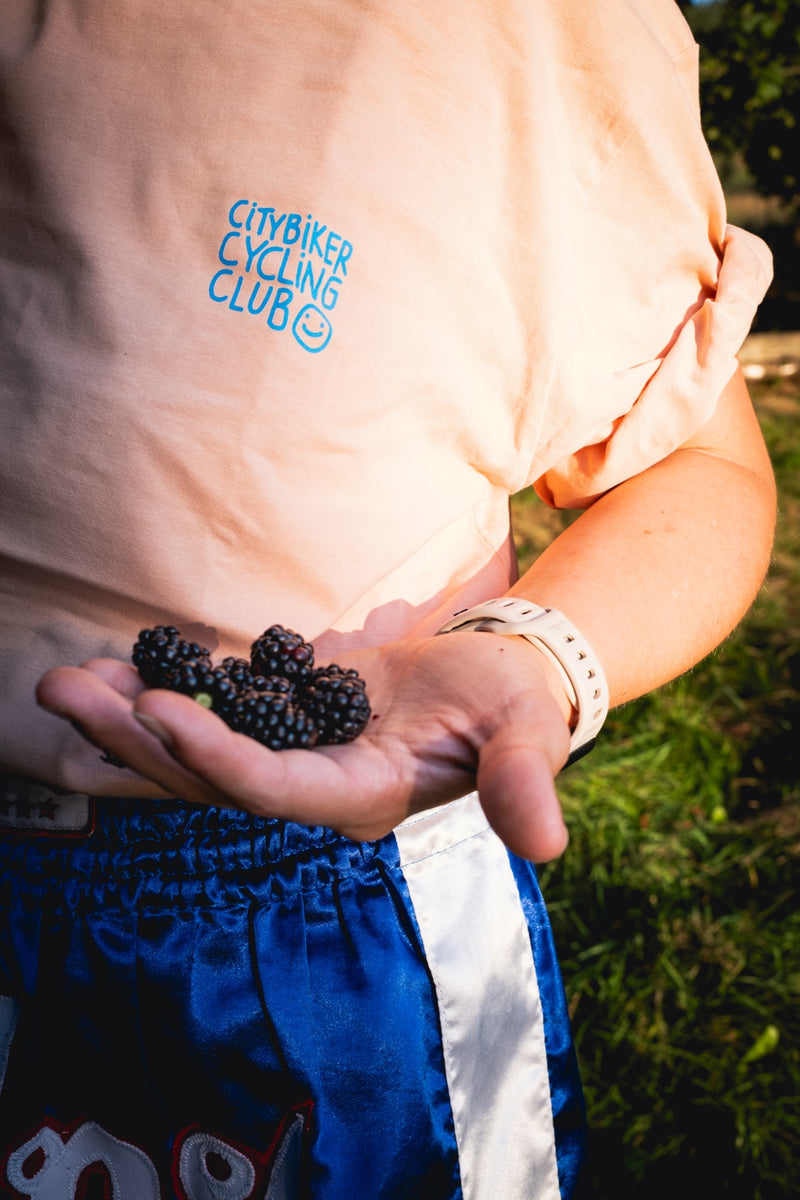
x: 336, y: 698
x: 281, y: 651
x: 278, y: 697
x: 240, y: 672
x: 249, y: 684
x: 159, y: 650
x: 245, y: 678
x: 274, y: 683
x: 198, y: 677
x: 274, y: 720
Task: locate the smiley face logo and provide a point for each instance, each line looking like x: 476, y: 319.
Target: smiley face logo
x: 312, y: 329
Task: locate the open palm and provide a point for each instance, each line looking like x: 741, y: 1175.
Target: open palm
x: 449, y: 713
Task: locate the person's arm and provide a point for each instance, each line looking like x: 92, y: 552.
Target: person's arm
x: 654, y: 574
x: 658, y: 571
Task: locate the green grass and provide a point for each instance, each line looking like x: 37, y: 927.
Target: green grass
x: 675, y: 908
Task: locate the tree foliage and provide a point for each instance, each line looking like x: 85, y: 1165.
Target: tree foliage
x: 750, y: 87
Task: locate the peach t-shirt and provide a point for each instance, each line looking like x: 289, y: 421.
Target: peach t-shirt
x: 292, y: 297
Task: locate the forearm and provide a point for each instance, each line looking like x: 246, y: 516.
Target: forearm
x: 658, y: 572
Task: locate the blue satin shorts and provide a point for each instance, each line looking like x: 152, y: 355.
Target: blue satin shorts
x: 199, y: 1004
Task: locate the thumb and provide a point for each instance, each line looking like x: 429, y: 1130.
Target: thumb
x: 516, y: 769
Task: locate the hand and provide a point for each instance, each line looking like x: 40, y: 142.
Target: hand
x: 449, y: 713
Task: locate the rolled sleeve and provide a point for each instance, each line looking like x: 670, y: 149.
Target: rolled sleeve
x: 679, y: 390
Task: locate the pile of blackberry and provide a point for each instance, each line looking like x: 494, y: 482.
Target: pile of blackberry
x: 277, y: 696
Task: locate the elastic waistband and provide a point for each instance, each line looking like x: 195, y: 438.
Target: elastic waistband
x: 172, y: 852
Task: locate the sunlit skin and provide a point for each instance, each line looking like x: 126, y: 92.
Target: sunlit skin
x: 422, y: 747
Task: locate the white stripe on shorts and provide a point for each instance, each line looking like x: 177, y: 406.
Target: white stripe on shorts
x: 479, y: 952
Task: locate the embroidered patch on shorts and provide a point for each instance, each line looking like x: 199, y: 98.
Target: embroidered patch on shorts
x: 30, y: 807
x: 207, y: 1167
x: 71, y: 1162
x: 54, y: 1163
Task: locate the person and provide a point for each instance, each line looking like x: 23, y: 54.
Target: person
x: 293, y: 299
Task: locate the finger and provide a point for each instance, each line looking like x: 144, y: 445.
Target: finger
x: 121, y: 676
x: 517, y: 791
x: 105, y: 717
x: 354, y: 788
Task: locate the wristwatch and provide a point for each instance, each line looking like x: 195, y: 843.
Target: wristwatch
x: 561, y: 642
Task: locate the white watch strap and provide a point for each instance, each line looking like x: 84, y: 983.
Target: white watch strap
x: 558, y: 638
